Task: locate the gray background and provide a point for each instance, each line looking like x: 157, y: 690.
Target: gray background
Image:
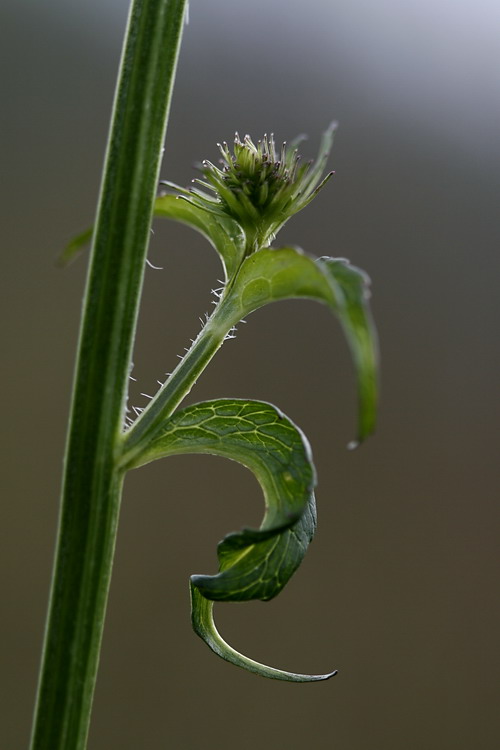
x: 399, y: 590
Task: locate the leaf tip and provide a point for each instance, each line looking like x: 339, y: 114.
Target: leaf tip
x: 330, y: 674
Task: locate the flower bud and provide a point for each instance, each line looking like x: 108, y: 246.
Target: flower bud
x: 259, y: 188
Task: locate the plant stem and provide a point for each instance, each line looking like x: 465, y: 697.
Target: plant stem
x: 177, y: 386
x: 92, y: 481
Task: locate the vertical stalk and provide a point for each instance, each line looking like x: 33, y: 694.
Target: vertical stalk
x: 92, y: 482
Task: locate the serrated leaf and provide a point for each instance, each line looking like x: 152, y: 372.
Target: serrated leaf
x: 270, y: 275
x: 224, y: 234
x: 253, y: 563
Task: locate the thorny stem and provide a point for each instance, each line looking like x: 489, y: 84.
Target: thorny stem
x: 92, y: 482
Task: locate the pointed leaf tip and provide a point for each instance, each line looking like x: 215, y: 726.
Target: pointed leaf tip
x: 204, y: 626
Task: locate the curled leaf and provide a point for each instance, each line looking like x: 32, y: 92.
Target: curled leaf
x: 224, y: 234
x: 270, y: 275
x: 357, y: 323
x: 204, y: 625
x: 253, y: 563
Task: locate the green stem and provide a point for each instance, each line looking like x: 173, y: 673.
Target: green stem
x: 92, y: 481
x: 179, y: 383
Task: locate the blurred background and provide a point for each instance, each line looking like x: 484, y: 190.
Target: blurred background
x: 399, y: 590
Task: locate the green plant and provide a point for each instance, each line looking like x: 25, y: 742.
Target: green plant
x: 239, y: 208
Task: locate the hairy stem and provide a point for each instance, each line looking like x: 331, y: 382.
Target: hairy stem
x: 92, y: 480
x: 177, y: 386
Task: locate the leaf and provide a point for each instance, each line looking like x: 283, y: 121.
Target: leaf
x: 224, y: 234
x: 253, y: 563
x: 204, y: 626
x: 75, y: 247
x: 270, y: 275
x: 357, y: 322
